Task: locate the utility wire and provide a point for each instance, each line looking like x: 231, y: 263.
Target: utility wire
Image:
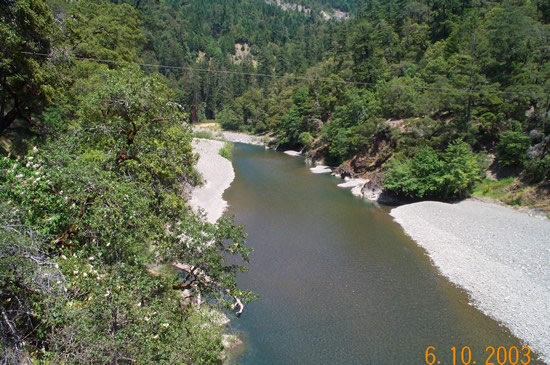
x: 299, y: 78
x: 201, y: 69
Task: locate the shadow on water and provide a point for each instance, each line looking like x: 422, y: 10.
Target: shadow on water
x: 339, y: 281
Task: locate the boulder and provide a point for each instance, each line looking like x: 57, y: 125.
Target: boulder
x: 535, y: 136
x: 343, y: 172
x: 539, y: 150
x: 373, y: 187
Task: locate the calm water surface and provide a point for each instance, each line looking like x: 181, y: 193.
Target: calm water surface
x: 339, y: 281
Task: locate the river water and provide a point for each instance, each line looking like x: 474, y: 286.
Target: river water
x: 339, y: 281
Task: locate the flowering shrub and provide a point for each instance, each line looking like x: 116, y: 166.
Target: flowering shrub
x: 27, y: 187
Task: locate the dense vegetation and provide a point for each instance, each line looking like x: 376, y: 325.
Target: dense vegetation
x: 398, y: 79
x: 96, y: 156
x: 92, y: 200
x: 407, y: 79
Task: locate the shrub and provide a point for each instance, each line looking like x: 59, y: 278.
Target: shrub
x: 229, y: 120
x: 306, y: 139
x: 431, y: 175
x: 225, y: 151
x: 203, y: 134
x: 512, y: 148
x: 538, y: 170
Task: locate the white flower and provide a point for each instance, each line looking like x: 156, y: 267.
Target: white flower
x: 30, y: 158
x: 63, y: 257
x: 84, y: 274
x: 107, y: 294
x: 34, y: 149
x: 155, y: 337
x: 165, y: 325
x: 146, y: 319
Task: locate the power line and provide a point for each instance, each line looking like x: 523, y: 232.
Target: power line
x: 201, y: 69
x: 299, y: 78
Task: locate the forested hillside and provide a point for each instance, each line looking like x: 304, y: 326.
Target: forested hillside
x: 238, y: 36
x: 407, y: 78
x: 424, y: 96
x: 97, y: 98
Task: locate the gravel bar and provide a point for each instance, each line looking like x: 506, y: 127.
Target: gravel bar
x: 235, y: 137
x: 217, y: 173
x: 501, y: 257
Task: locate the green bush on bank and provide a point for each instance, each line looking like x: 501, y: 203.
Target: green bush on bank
x: 226, y: 151
x: 429, y: 174
x: 512, y: 148
x: 203, y: 134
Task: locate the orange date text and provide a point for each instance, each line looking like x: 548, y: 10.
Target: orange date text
x: 493, y: 356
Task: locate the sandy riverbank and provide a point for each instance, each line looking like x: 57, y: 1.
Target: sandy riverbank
x: 235, y: 137
x: 500, y: 256
x: 217, y: 173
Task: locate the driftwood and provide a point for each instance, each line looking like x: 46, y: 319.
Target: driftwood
x: 239, y: 304
x: 194, y: 275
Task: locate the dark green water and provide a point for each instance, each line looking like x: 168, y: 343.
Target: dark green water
x: 340, y: 283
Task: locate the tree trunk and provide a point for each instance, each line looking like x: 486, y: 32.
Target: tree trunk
x: 7, y: 120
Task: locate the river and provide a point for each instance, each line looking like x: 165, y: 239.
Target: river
x: 339, y: 281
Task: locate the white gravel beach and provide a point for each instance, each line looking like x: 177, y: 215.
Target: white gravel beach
x: 217, y: 173
x: 235, y: 137
x: 500, y: 256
